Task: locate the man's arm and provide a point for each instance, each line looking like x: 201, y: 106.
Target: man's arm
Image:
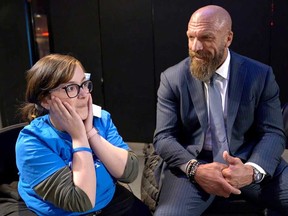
x: 269, y: 127
x: 168, y: 123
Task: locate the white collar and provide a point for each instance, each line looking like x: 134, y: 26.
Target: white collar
x: 223, y: 70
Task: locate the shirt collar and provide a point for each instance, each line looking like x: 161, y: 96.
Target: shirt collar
x: 223, y: 70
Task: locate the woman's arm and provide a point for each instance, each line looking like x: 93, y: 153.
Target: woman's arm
x: 65, y: 118
x: 60, y: 190
x: 114, y: 158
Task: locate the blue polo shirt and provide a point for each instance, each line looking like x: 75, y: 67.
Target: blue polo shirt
x: 41, y: 150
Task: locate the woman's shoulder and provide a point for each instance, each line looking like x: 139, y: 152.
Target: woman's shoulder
x: 100, y: 114
x: 38, y: 123
x: 105, y: 114
x: 39, y: 129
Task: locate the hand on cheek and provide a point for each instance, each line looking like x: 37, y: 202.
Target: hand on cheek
x: 89, y: 120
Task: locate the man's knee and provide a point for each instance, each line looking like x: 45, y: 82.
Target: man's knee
x: 172, y: 211
x: 183, y: 207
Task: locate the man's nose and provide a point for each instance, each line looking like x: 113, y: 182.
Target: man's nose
x: 196, y: 45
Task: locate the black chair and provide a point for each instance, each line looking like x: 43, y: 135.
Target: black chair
x: 8, y: 137
x: 10, y: 202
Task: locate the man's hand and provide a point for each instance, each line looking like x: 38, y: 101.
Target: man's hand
x: 237, y: 174
x: 210, y: 178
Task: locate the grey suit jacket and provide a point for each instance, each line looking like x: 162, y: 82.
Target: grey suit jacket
x: 254, y: 120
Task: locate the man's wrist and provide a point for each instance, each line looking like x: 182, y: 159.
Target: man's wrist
x: 257, y: 175
x: 191, y: 169
x: 258, y: 172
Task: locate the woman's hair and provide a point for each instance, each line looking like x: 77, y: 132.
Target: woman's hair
x: 46, y: 74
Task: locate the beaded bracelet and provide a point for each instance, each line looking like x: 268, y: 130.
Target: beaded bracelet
x: 91, y: 133
x: 191, y: 170
x: 188, y: 166
x: 81, y: 149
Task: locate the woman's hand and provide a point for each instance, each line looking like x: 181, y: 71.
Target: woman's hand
x: 89, y: 121
x: 65, y: 118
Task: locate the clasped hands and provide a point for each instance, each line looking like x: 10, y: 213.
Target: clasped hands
x: 224, y: 179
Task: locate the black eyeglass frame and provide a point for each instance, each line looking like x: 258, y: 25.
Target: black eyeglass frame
x: 87, y: 82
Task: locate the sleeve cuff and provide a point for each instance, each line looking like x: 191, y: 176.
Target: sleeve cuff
x: 259, y: 168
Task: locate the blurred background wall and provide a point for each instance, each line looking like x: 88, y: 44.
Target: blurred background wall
x: 125, y: 45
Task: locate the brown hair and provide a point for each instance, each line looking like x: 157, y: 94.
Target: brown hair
x: 46, y: 74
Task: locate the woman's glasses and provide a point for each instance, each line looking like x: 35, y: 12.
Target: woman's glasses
x: 73, y: 90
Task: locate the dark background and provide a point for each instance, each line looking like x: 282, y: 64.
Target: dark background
x: 126, y: 44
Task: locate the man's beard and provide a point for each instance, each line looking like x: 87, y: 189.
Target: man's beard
x: 205, y: 68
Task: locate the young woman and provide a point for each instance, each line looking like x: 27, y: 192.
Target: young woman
x: 70, y: 161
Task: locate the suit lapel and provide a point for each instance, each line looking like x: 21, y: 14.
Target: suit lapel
x: 198, y: 98
x: 235, y: 88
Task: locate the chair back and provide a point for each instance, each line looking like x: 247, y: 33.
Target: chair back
x: 8, y: 137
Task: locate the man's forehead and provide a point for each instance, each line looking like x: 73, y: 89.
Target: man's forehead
x: 207, y: 20
x: 202, y: 27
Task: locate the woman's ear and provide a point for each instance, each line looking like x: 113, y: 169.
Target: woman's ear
x: 45, y: 103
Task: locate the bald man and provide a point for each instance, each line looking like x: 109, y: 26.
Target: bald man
x: 250, y: 162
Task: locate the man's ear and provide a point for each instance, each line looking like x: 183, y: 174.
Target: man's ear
x: 229, y: 39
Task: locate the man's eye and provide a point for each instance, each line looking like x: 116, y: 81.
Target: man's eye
x: 208, y: 38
